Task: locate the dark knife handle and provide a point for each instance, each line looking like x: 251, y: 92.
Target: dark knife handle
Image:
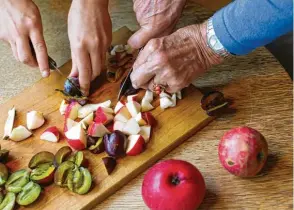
x: 51, y: 62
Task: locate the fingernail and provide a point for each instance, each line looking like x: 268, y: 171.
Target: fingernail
x: 45, y: 73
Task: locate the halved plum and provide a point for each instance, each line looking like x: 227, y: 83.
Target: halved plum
x: 109, y: 163
x: 41, y: 157
x: 62, y: 172
x: 4, y: 155
x: 9, y: 201
x: 62, y: 154
x: 80, y: 181
x: 17, y: 181
x: 78, y: 158
x: 29, y: 194
x: 98, y: 147
x: 43, y: 173
x: 3, y: 174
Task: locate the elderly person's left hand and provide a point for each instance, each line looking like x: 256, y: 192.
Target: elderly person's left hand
x: 156, y: 18
x: 174, y: 61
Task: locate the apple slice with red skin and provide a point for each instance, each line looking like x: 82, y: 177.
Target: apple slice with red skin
x: 140, y: 120
x: 76, y: 137
x: 145, y: 132
x: 50, y: 134
x: 88, y: 108
x: 136, y: 145
x: 68, y: 124
x: 123, y: 115
x: 132, y: 97
x: 118, y: 126
x: 88, y: 120
x: 146, y: 105
x: 133, y: 107
x: 97, y: 130
x: 64, y: 104
x: 107, y: 110
x: 72, y: 110
x: 148, y: 117
x: 118, y: 106
x: 148, y: 96
x: 102, y: 117
x: 131, y: 127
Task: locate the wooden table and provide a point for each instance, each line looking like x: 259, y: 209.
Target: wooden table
x: 262, y: 93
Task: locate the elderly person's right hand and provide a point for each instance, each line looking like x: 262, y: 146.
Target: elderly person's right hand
x: 156, y: 19
x: 174, y: 61
x: 20, y: 24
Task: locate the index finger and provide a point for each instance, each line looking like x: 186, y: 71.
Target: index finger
x: 41, y: 52
x: 83, y: 62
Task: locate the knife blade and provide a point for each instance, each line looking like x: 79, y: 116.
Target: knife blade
x: 127, y: 83
x: 53, y: 66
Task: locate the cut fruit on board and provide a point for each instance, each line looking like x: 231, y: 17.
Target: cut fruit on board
x: 174, y: 126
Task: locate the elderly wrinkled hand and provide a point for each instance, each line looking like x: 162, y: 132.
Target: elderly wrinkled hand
x: 174, y: 61
x: 156, y: 18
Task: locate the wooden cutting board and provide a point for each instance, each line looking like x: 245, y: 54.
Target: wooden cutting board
x: 174, y: 126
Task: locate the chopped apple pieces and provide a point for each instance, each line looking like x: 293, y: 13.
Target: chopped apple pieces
x: 35, y: 120
x: 88, y: 108
x: 167, y: 101
x: 20, y: 133
x: 50, y: 134
x: 9, y: 123
x: 63, y: 106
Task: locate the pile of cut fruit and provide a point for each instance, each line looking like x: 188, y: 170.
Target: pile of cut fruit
x: 124, y: 130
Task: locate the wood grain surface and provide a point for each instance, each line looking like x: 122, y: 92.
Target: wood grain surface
x: 174, y: 125
x: 262, y: 92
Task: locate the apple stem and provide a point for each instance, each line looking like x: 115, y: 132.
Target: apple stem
x: 175, y: 180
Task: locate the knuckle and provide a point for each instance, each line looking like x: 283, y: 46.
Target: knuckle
x: 134, y: 82
x: 40, y: 46
x: 25, y: 59
x: 32, y: 22
x: 153, y: 44
x: 95, y: 42
x: 161, y: 57
x: 78, y: 45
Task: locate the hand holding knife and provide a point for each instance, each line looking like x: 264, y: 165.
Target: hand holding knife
x: 53, y: 66
x: 127, y: 83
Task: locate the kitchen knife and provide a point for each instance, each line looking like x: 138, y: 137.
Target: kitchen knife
x: 127, y: 83
x: 53, y: 66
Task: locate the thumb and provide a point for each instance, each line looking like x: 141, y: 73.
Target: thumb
x: 140, y: 38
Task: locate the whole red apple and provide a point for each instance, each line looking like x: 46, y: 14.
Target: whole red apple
x: 173, y: 185
x: 243, y: 151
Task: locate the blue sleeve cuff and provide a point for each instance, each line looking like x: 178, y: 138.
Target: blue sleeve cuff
x: 244, y: 25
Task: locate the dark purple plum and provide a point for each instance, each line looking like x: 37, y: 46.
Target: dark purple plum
x: 70, y: 86
x: 115, y: 144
